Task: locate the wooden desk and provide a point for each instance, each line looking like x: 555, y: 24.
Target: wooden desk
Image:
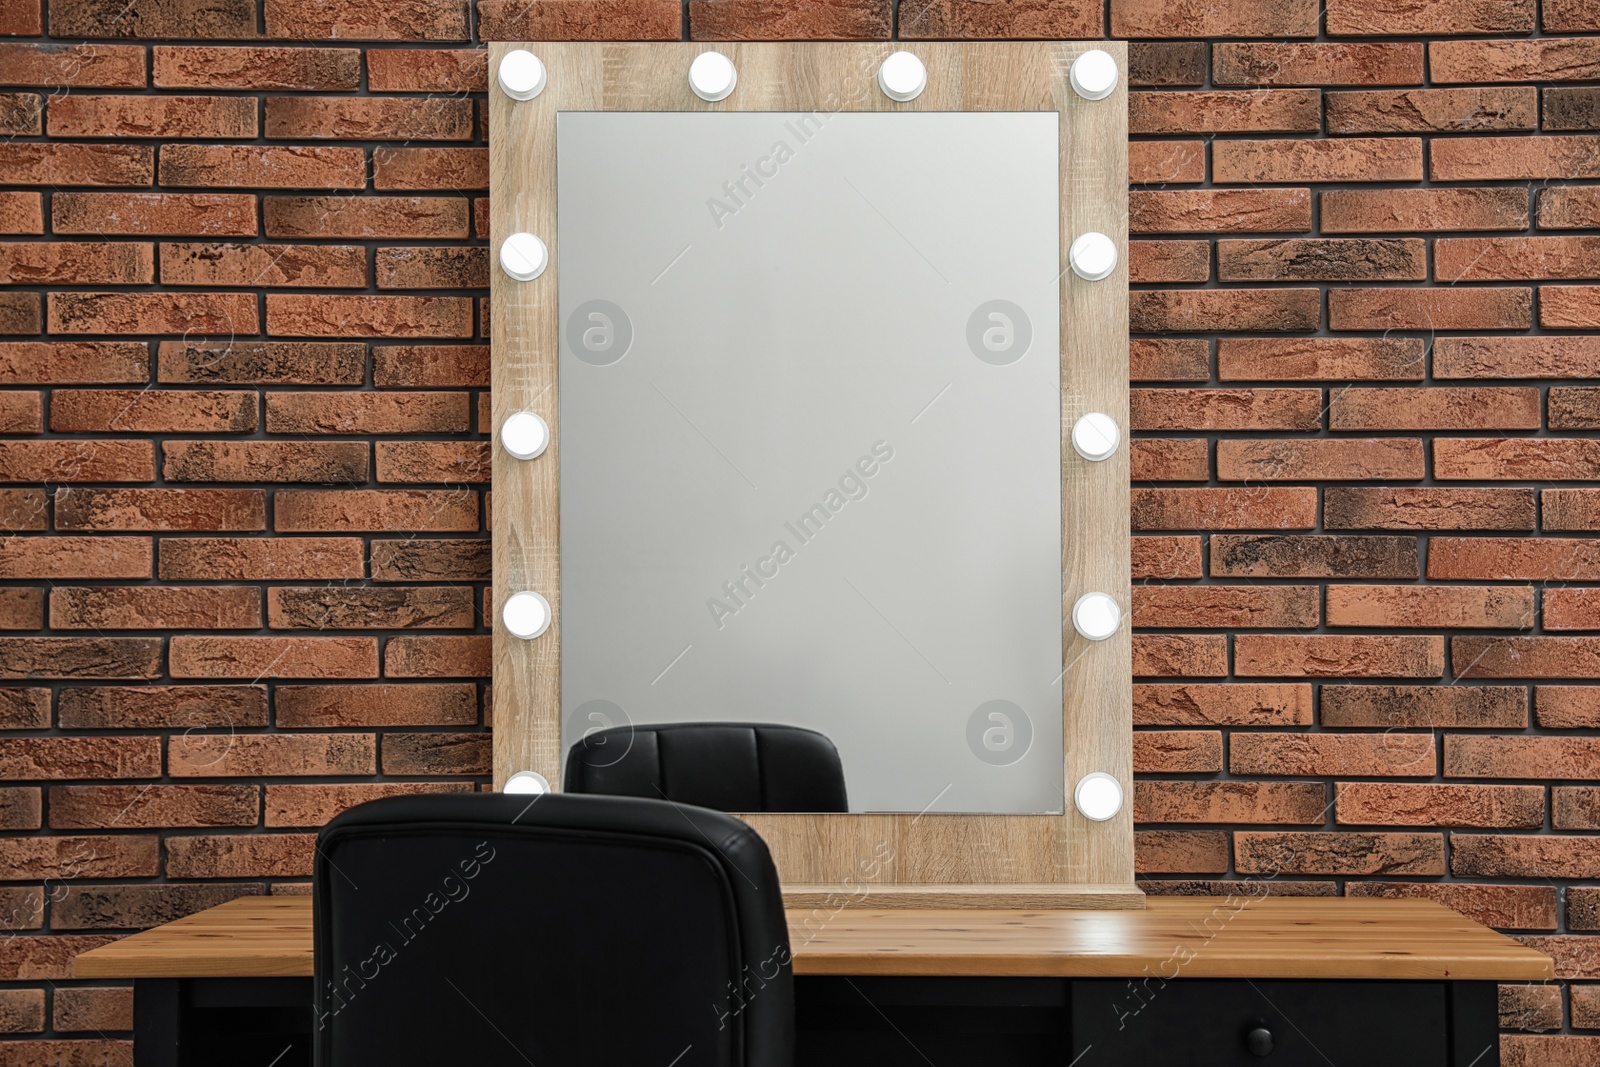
x: 1195, y: 959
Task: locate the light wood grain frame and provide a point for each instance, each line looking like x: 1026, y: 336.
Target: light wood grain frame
x: 831, y: 860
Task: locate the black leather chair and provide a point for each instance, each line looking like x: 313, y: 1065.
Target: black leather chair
x: 726, y: 766
x: 501, y: 930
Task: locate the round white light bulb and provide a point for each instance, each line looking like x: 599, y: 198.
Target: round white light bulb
x: 1093, y: 75
x: 712, y: 76
x: 1093, y: 256
x: 529, y: 782
x: 525, y: 435
x: 1098, y: 796
x: 521, y: 75
x: 1096, y: 616
x: 1095, y: 436
x: 526, y: 615
x: 523, y: 256
x: 902, y: 77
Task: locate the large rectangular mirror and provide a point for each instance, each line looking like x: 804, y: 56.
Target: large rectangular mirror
x: 811, y: 356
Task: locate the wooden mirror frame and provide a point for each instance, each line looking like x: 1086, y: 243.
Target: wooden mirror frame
x: 829, y: 861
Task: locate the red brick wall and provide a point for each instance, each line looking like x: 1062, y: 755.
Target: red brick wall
x: 244, y: 355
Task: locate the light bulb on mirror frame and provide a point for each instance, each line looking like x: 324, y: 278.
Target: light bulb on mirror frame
x: 1098, y: 796
x: 525, y: 435
x: 713, y: 76
x: 528, y: 783
x: 1096, y: 616
x: 526, y: 615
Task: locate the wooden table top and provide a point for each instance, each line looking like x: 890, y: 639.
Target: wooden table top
x: 1195, y: 937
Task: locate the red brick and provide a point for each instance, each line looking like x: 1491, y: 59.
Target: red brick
x: 1180, y: 851
x: 1384, y: 18
x: 145, y: 18
x: 263, y: 362
x: 1432, y: 706
x: 1393, y: 458
x: 437, y: 657
x: 1514, y: 258
x: 451, y: 462
x: 1544, y: 60
x: 1248, y: 508
x: 212, y: 67
x: 1524, y: 856
x: 154, y: 608
x: 1505, y: 907
x: 21, y: 608
x: 159, y: 312
x: 24, y: 708
x: 1370, y: 755
x: 1166, y: 162
x: 369, y: 118
x: 34, y: 758
x: 21, y: 212
x: 19, y: 810
x: 353, y: 510
x: 23, y: 509
x: 1356, y: 259
x: 80, y: 657
x: 273, y: 657
x: 368, y: 20
x: 122, y: 807
x: 1423, y: 210
x: 21, y: 1011
x: 431, y: 753
x: 1574, y: 408
x: 1169, y: 359
x: 198, y: 214
x: 430, y: 169
x: 1310, y: 556
x: 63, y: 857
x: 37, y: 163
x: 204, y: 117
x: 1571, y: 609
x: 137, y: 907
x: 1320, y: 358
x: 414, y: 704
x: 1530, y: 1007
x: 73, y: 362
x: 1189, y: 310
x: 1169, y: 261
x: 21, y: 412
x: 240, y: 855
x: 1316, y: 64
x: 48, y: 958
x: 1334, y: 656
x: 1219, y: 210
x: 1499, y: 756
x: 1180, y: 655
x: 1577, y: 207
x: 1185, y: 18
x: 21, y: 114
x: 1516, y: 459
x: 76, y: 461
x: 260, y: 559
x: 1571, y: 108
x: 1166, y: 63
x: 1434, y: 408
x: 1571, y: 509
x: 579, y: 20
x: 1567, y: 707
x: 368, y: 316
x: 1430, y: 309
x: 1575, y: 807
x: 1227, y: 111
x: 1228, y: 802
x: 264, y: 461
x: 1569, y: 306
x: 1231, y: 704
x: 76, y: 263
x: 870, y: 20
x: 429, y: 366
x: 1575, y: 957
x: 1526, y: 657
x: 23, y: 19
x: 235, y: 755
x: 152, y: 411
x: 1585, y: 1009
x: 430, y: 560
x: 1432, y: 110
x: 1570, y: 16
x: 313, y: 805
x: 163, y: 706
x: 93, y: 1008
x: 428, y: 70
x: 160, y: 509
x: 1514, y: 558
x: 1409, y: 804
x: 263, y: 166
x: 1226, y: 409
x: 1450, y: 607
x: 1169, y: 460
x: 19, y: 313
x: 335, y: 608
x: 1553, y: 1050
x: 1165, y: 557
x: 1346, y: 159
x: 1457, y: 159
x: 367, y: 413
x: 63, y: 66
x: 304, y: 266
x: 1341, y: 853
x: 412, y: 217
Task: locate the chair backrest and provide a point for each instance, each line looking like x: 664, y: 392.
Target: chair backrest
x: 500, y: 930
x: 725, y: 766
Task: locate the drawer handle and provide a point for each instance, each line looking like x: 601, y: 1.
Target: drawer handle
x: 1259, y: 1041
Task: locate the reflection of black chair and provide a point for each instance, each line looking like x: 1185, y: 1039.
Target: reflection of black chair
x: 501, y: 930
x: 728, y: 766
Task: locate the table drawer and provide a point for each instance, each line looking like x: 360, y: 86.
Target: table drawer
x: 1198, y: 1022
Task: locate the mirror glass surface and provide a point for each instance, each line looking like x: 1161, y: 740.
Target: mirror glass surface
x: 810, y: 439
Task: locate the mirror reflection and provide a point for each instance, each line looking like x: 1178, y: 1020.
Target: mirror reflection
x: 810, y: 449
